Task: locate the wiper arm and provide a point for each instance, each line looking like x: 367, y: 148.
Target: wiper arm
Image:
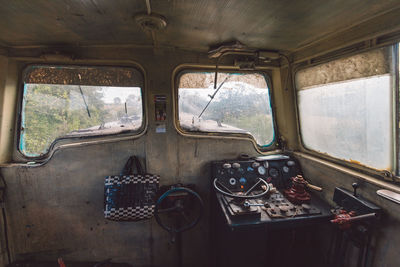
x: 213, y: 95
x: 84, y: 101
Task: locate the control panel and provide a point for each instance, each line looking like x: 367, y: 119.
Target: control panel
x: 240, y: 175
x: 268, y: 189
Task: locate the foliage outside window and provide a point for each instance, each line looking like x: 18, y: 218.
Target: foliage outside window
x: 241, y: 105
x: 345, y: 108
x: 65, y: 102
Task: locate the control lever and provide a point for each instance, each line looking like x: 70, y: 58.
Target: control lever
x: 314, y: 187
x: 248, y: 204
x: 344, y: 219
x: 355, y: 186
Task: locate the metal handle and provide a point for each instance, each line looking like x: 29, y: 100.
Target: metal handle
x: 314, y: 187
x: 248, y: 204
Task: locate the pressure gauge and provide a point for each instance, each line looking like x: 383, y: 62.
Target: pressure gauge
x: 285, y: 169
x: 274, y: 173
x: 226, y: 166
x: 261, y: 170
x: 266, y: 164
x: 290, y: 163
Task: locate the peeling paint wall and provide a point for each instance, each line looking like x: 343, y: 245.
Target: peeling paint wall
x: 57, y: 209
x: 387, y: 239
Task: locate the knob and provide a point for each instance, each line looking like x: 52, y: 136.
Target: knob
x: 284, y: 209
x: 306, y: 207
x: 255, y: 165
x: 226, y: 166
x: 355, y: 186
x: 266, y: 164
x: 236, y: 165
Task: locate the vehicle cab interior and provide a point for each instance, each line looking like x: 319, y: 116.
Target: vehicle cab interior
x: 176, y: 133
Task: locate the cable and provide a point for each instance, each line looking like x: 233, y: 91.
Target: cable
x: 288, y: 72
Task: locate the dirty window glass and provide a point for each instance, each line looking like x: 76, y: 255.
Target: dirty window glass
x: 240, y: 105
x: 345, y: 108
x: 64, y: 102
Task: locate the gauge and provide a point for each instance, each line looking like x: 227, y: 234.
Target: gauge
x: 266, y: 164
x: 285, y: 169
x: 232, y: 181
x: 274, y: 172
x: 236, y: 165
x: 226, y: 166
x: 261, y: 170
x: 291, y: 163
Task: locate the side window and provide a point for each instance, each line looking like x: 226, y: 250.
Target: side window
x: 69, y: 101
x: 240, y: 104
x: 346, y: 108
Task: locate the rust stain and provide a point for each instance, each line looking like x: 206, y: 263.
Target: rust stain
x: 355, y: 161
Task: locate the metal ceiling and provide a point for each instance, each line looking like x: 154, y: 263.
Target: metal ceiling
x: 192, y: 24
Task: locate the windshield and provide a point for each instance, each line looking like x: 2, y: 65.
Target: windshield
x: 240, y: 104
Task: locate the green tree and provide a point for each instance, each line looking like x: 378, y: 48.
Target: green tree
x: 52, y: 111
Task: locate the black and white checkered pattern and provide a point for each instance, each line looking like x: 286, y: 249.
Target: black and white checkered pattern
x: 130, y: 197
x: 130, y: 179
x: 129, y: 213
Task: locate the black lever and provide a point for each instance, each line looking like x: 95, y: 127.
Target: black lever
x: 355, y: 186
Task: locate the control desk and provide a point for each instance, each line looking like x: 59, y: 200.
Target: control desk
x: 266, y: 190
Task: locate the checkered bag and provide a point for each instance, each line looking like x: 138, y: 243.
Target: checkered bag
x: 129, y: 196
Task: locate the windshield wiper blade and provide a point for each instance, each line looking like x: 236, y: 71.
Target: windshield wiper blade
x: 212, y: 96
x: 84, y: 101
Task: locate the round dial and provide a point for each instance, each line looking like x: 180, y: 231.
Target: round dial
x: 290, y: 163
x: 285, y: 169
x: 274, y: 173
x: 226, y: 166
x: 232, y: 181
x: 261, y: 170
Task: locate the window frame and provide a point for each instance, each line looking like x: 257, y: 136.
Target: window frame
x: 188, y: 68
x: 392, y: 175
x: 74, y: 139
